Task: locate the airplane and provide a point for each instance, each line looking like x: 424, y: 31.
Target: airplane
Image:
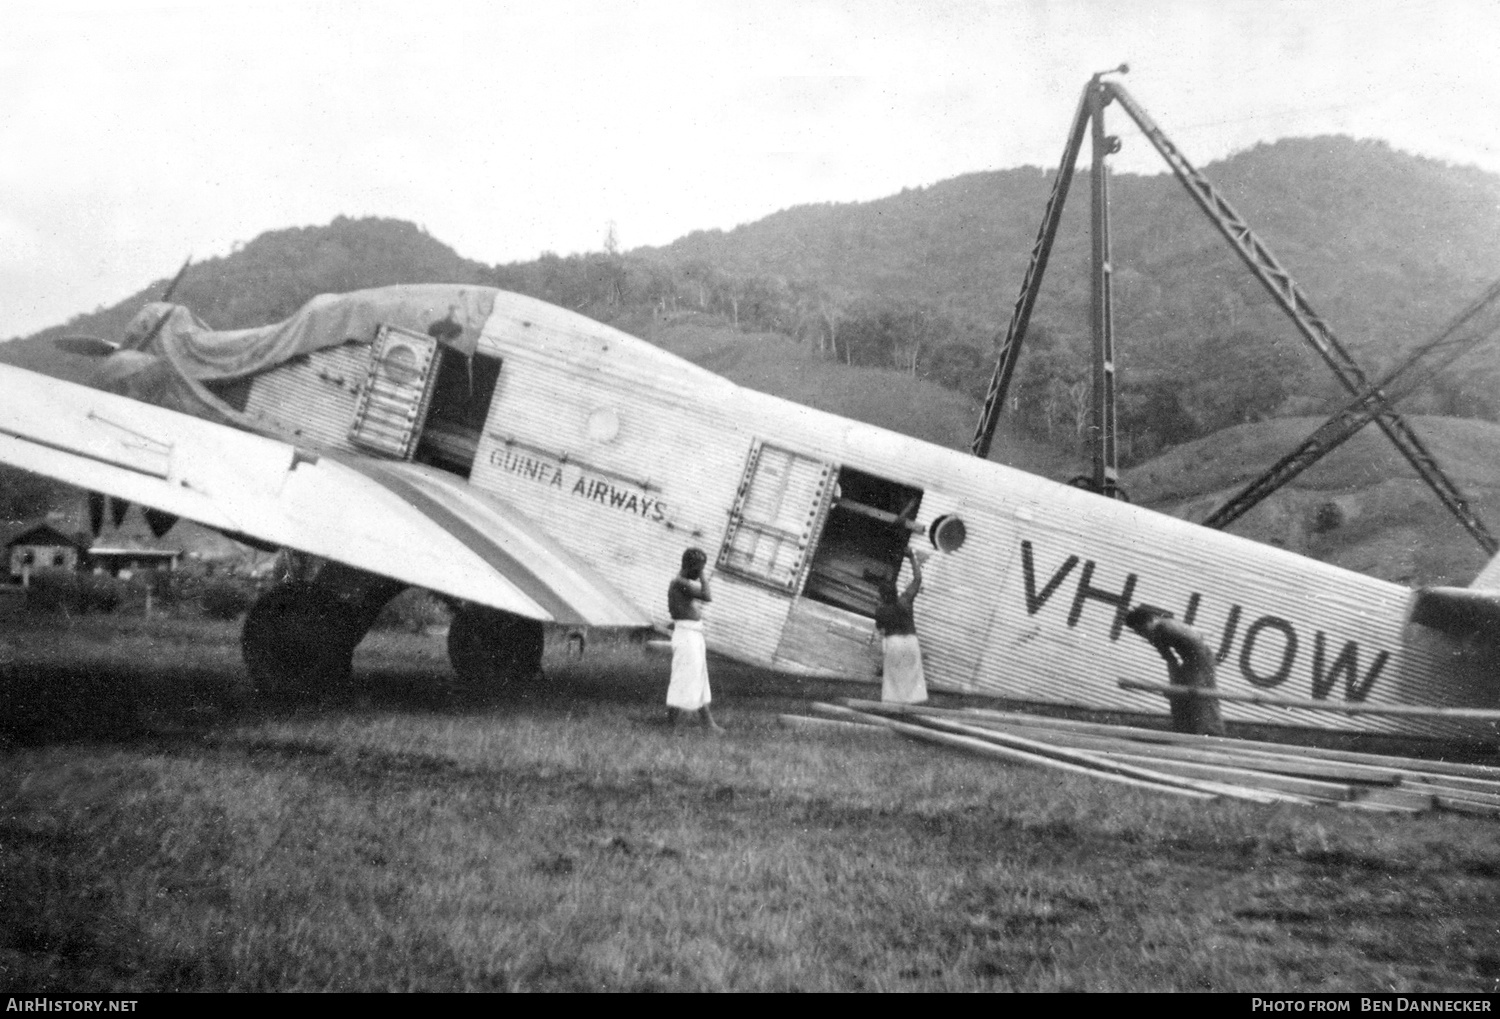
x: 534, y: 467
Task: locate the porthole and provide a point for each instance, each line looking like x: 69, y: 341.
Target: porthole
x: 948, y: 533
x: 603, y: 424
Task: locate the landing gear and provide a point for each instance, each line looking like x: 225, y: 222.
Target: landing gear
x: 494, y: 652
x: 299, y: 637
x: 296, y: 642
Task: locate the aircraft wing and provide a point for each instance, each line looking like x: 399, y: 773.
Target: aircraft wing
x: 399, y: 520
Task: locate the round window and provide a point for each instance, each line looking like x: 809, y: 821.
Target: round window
x: 948, y: 533
x: 603, y: 424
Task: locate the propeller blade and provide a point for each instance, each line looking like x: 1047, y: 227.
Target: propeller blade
x: 85, y: 346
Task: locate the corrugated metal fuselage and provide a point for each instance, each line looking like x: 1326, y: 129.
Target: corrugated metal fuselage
x: 627, y: 455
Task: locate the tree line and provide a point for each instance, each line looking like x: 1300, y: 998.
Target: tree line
x: 922, y: 283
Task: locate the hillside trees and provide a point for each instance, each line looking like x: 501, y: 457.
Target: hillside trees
x: 1231, y: 378
x: 895, y: 334
x: 1050, y: 381
x: 1388, y: 246
x: 24, y: 495
x: 960, y: 366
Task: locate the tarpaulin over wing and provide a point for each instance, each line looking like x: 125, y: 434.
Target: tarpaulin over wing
x: 453, y: 314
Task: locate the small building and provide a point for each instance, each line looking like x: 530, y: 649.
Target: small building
x: 37, y: 545
x: 125, y: 562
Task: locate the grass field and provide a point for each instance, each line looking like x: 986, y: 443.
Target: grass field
x: 161, y: 831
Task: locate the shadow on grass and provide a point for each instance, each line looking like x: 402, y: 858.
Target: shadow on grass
x: 122, y: 679
x: 42, y: 704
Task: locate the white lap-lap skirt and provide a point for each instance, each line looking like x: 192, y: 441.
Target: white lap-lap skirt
x: 689, y: 687
x: 903, y: 681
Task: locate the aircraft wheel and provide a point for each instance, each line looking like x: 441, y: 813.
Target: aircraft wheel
x: 494, y: 652
x: 294, y: 642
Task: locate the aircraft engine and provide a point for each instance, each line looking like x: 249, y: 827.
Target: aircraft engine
x: 492, y: 651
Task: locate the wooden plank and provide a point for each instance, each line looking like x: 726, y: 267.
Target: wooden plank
x: 989, y: 749
x: 1448, y: 787
x: 832, y: 726
x: 1395, y: 799
x: 1463, y: 805
x: 1305, y: 704
x: 1248, y: 777
x: 1284, y: 764
x: 1477, y: 785
x: 1481, y: 771
x: 1234, y: 791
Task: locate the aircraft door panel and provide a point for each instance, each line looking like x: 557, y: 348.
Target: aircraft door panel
x: 397, y: 389
x: 782, y: 499
x: 821, y: 639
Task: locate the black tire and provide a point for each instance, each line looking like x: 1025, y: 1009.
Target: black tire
x: 295, y: 643
x: 494, y: 652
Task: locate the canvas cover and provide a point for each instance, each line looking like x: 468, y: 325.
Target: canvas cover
x: 452, y: 313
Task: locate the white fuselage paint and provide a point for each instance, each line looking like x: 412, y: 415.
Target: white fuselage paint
x: 605, y: 457
x: 1029, y: 608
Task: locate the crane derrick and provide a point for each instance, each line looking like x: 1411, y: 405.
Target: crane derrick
x: 1372, y: 401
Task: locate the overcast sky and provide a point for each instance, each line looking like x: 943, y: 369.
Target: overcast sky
x: 135, y: 134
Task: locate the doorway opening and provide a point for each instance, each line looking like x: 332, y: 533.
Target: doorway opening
x: 863, y: 542
x: 461, y: 396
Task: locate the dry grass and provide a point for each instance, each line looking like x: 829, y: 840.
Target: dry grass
x: 159, y: 831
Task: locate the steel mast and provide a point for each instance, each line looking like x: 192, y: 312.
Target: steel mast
x: 1097, y: 94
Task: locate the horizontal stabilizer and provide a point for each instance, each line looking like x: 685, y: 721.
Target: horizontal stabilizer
x: 1458, y: 611
x: 1489, y: 577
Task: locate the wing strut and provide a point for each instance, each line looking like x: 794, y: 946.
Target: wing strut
x: 1253, y: 252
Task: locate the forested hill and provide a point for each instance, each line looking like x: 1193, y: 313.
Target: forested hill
x: 276, y: 273
x: 1386, y: 245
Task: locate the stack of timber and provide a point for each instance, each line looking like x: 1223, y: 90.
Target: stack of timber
x: 1197, y: 767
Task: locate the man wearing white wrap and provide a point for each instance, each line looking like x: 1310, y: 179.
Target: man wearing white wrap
x: 902, y: 678
x: 688, y: 690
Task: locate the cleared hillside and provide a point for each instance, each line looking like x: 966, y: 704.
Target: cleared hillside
x: 775, y: 364
x: 1362, y: 507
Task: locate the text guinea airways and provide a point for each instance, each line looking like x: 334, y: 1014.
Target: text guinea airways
x: 554, y: 475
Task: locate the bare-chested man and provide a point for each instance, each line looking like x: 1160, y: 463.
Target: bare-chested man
x: 688, y: 690
x: 1190, y: 663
